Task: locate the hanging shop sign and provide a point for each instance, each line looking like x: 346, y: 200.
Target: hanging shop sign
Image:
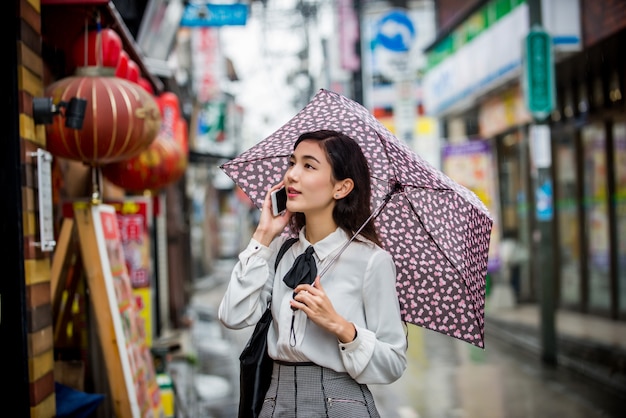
x: 208, y: 63
x: 538, y: 78
x: 348, y: 29
x: 202, y: 15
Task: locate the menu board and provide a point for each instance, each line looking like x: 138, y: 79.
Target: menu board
x: 132, y: 379
x: 134, y: 218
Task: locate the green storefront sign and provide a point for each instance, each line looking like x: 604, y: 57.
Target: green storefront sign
x: 539, y: 73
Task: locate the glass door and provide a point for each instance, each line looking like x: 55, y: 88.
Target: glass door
x: 619, y: 157
x: 596, y: 213
x: 566, y: 204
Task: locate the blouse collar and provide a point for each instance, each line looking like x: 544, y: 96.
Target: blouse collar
x: 328, y: 245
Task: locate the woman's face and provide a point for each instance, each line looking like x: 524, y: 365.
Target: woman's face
x: 309, y: 182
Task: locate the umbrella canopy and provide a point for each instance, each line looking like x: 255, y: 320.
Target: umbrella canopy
x: 436, y: 230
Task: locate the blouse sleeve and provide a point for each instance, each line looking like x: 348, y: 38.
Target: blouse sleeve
x: 250, y: 287
x: 378, y: 354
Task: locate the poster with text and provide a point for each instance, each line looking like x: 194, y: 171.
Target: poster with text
x: 134, y: 217
x: 471, y: 164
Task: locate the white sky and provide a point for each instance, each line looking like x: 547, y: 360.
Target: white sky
x: 263, y: 57
x: 264, y: 53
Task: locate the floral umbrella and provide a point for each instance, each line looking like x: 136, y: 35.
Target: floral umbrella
x: 437, y: 231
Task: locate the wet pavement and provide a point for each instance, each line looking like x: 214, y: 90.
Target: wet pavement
x: 446, y: 378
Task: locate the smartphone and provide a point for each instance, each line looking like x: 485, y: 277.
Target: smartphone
x: 279, y: 201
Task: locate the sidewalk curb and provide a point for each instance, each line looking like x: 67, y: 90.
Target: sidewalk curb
x: 601, y: 364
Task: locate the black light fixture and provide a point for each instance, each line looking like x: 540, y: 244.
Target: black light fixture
x: 44, y: 110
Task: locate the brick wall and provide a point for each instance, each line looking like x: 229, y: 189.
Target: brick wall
x: 36, y: 263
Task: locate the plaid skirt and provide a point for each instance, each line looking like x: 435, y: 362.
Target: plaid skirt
x: 306, y: 390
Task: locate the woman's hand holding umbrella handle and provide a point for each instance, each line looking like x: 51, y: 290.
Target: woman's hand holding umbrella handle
x: 269, y: 225
x: 314, y: 302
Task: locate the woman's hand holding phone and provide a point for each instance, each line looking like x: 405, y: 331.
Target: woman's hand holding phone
x: 270, y: 225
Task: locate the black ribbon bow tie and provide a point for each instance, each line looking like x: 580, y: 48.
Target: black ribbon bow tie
x: 304, y: 270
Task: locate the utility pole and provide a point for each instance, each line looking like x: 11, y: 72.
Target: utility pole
x: 539, y: 75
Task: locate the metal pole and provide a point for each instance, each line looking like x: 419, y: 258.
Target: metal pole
x: 545, y: 227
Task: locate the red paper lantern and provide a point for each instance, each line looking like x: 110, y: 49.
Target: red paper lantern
x: 182, y: 134
x: 133, y: 72
x: 122, y: 65
x: 161, y: 164
x: 164, y: 161
x: 97, y: 48
x: 146, y: 85
x: 121, y: 118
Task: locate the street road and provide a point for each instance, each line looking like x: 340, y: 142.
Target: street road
x: 448, y: 378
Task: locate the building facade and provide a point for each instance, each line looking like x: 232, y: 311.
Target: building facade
x: 476, y: 86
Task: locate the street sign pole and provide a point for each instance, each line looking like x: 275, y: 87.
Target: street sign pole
x: 538, y: 80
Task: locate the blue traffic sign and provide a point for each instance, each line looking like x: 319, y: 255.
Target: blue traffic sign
x: 395, y: 31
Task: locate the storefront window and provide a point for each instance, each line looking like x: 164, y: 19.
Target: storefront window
x: 596, y: 215
x: 569, y: 229
x: 619, y: 138
x: 514, y: 210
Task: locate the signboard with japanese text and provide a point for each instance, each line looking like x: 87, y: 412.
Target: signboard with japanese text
x: 121, y: 331
x: 134, y: 217
x: 209, y: 65
x: 205, y: 14
x: 539, y: 73
x: 472, y: 164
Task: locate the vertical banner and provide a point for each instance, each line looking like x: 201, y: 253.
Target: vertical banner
x: 348, y: 28
x: 134, y: 217
x: 471, y: 164
x: 208, y: 63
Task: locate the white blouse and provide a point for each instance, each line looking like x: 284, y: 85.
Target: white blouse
x: 361, y: 287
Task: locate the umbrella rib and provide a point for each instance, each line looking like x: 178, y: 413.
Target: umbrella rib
x: 419, y: 219
x: 374, y: 214
x: 413, y: 186
x: 252, y: 160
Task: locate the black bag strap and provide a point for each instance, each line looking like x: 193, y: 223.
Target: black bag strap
x: 283, y: 249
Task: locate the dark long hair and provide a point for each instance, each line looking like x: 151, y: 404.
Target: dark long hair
x: 347, y: 161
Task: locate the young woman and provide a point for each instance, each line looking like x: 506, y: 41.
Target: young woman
x: 330, y: 335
